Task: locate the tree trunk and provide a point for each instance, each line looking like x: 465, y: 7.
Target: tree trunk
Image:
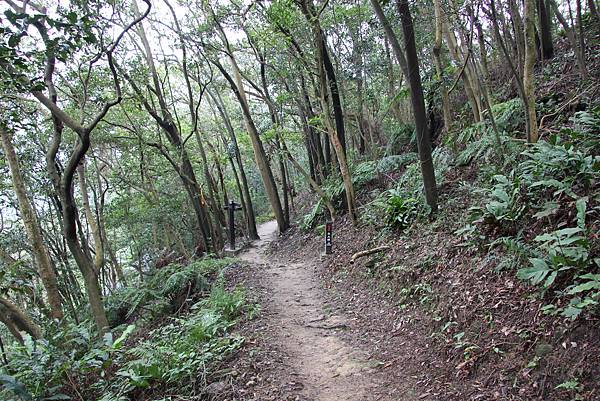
x: 32, y: 228
x: 519, y: 33
x: 250, y: 217
x: 418, y: 103
x: 528, y: 77
x: 91, y: 219
x: 313, y: 184
x: 260, y: 155
x: 17, y: 321
x: 327, y: 73
x: 437, y: 47
x: 545, y: 30
x: 571, y: 35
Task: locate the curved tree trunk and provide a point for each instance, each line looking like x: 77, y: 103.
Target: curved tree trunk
x: 17, y: 321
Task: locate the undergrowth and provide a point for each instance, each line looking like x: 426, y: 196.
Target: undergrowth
x: 177, y: 329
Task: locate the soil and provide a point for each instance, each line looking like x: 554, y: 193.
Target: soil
x: 404, y: 325
x: 308, y: 331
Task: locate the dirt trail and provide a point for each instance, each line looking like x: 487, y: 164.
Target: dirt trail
x: 328, y: 368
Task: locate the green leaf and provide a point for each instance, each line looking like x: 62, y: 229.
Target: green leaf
x: 590, y: 285
x: 536, y: 273
x: 123, y: 336
x: 581, y: 206
x: 550, y: 280
x: 72, y: 17
x: 501, y: 194
x: 549, y: 209
x: 11, y: 384
x: 571, y: 312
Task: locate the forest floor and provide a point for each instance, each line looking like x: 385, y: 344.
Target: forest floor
x: 304, y: 345
x: 331, y: 330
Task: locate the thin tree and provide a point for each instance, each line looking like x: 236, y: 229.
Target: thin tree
x: 410, y: 67
x: 32, y: 228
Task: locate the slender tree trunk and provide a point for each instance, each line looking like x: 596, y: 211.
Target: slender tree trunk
x: 91, y: 219
x: 259, y: 152
x: 391, y: 87
x: 519, y: 33
x: 322, y: 165
x: 260, y: 155
x: 418, y: 103
x: 528, y: 77
x: 164, y: 119
x: 312, y: 183
x: 327, y: 74
x: 284, y: 178
x: 437, y: 47
x: 467, y: 75
x: 571, y: 35
x: 32, y: 228
x: 250, y: 216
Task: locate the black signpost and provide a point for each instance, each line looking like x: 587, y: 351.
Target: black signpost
x: 231, y: 208
x: 328, y: 237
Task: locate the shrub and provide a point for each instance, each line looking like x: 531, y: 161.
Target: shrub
x: 74, y: 361
x: 400, y: 211
x: 551, y: 177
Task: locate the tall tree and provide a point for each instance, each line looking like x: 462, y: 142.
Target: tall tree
x: 260, y: 155
x: 545, y: 24
x: 328, y: 86
x: 528, y: 77
x: 32, y: 227
x: 418, y: 105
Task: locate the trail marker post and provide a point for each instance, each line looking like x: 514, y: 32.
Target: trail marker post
x: 231, y: 207
x: 328, y: 237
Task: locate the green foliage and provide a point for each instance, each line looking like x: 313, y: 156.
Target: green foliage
x: 363, y: 173
x: 481, y: 144
x: 560, y: 167
x: 177, y: 353
x: 401, y: 211
x: 565, y: 254
x: 510, y: 116
x: 309, y: 220
x: 399, y: 206
x: 547, y: 184
x: 585, y: 132
x: 165, y: 289
x: 504, y: 202
x: 399, y: 135
x: 480, y: 139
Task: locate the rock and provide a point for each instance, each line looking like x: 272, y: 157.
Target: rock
x: 216, y: 388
